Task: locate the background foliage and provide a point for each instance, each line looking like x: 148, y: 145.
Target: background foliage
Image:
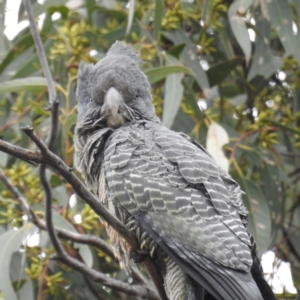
x: 231, y: 62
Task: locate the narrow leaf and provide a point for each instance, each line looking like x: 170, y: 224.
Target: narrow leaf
x: 130, y: 16
x: 264, y: 63
x: 281, y: 16
x: 216, y: 138
x: 259, y: 214
x: 10, y: 242
x: 158, y: 15
x: 238, y: 26
x: 218, y: 72
x: 271, y: 188
x: 84, y: 250
x: 283, y: 127
x: 173, y: 95
x: 32, y: 84
x: 159, y: 73
x: 189, y: 57
x: 69, y: 122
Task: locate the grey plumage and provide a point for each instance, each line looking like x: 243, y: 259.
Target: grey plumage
x: 187, y: 213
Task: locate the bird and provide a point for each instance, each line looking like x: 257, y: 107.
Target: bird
x: 185, y: 211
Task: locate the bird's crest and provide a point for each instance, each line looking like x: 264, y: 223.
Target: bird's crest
x: 120, y: 49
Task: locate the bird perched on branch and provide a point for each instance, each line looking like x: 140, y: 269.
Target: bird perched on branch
x: 185, y: 211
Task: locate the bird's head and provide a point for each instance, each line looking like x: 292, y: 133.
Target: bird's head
x: 114, y: 91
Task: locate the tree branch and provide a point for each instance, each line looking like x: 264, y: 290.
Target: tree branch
x: 66, y: 234
x: 40, y: 51
x: 137, y: 290
x: 48, y: 157
x: 62, y: 256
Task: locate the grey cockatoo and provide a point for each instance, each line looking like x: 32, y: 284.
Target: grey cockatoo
x: 186, y: 212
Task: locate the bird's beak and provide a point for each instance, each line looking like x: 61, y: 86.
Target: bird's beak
x: 112, y: 108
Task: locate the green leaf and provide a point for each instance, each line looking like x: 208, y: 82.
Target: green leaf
x: 270, y: 187
x: 283, y: 127
x: 238, y: 99
x: 192, y: 100
x: 23, y: 43
x: 84, y: 250
x: 238, y: 26
x: 61, y: 195
x: 206, y: 10
x: 32, y: 84
x: 118, y: 34
x: 39, y: 9
x: 26, y: 291
x: 176, y: 50
x: 130, y: 16
x: 184, y: 123
x: 217, y: 73
x: 259, y: 214
x: 119, y: 14
x: 157, y: 74
x: 264, y: 63
x: 10, y: 242
x: 189, y: 57
x: 3, y: 39
x: 172, y: 100
x: 158, y: 15
x: 281, y: 15
x: 69, y: 122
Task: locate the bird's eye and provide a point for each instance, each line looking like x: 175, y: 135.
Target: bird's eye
x: 136, y: 95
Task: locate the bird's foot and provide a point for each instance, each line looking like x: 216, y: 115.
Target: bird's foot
x: 138, y: 256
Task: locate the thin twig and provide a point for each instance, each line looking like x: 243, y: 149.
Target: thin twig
x: 48, y: 157
x: 80, y: 189
x: 41, y: 281
x: 245, y: 135
x: 40, y: 51
x: 92, y: 289
x: 136, y: 290
x: 90, y: 240
x: 62, y: 256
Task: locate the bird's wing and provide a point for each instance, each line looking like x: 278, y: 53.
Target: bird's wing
x: 176, y: 192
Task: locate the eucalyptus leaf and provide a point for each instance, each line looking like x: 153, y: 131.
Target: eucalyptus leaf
x: 10, y: 241
x: 259, y: 214
x: 238, y: 25
x: 280, y: 15
x: 159, y: 73
x: 173, y: 96
x: 130, y: 16
x: 218, y: 72
x: 158, y: 15
x: 189, y: 57
x: 270, y: 187
x: 84, y: 250
x: 264, y: 63
x: 69, y: 123
x: 32, y: 84
x: 26, y: 291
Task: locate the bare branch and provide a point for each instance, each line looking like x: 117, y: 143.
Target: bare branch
x: 30, y: 156
x: 136, y: 290
x: 48, y: 157
x: 48, y: 212
x: 55, y: 162
x: 66, y: 234
x: 40, y: 51
x: 62, y: 256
